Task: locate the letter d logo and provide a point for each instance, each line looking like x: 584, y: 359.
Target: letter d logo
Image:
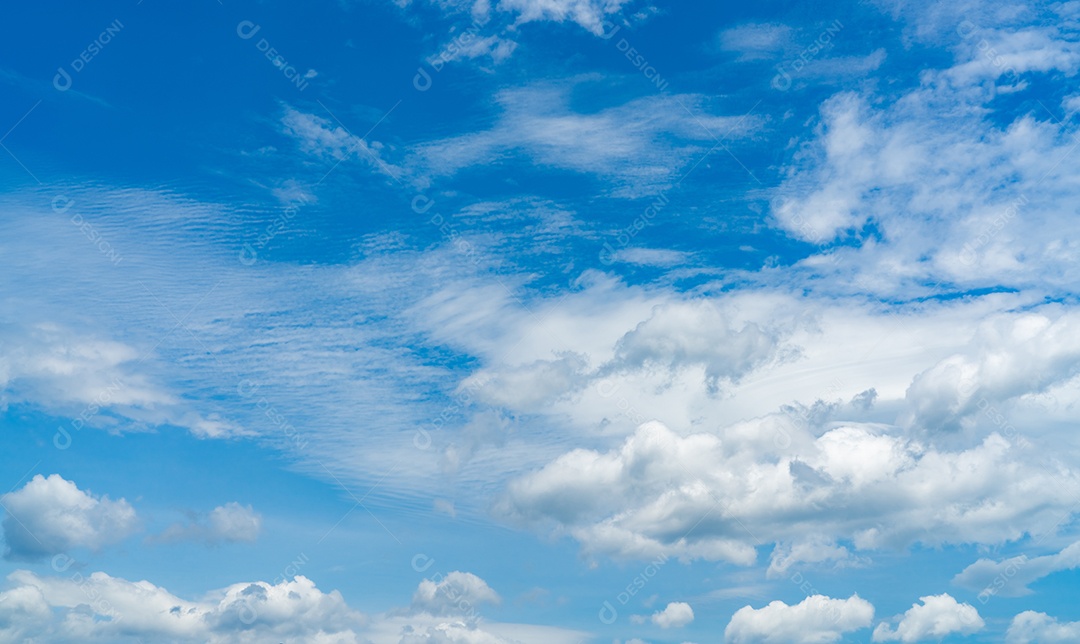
x: 247, y: 29
x: 781, y: 81
x: 608, y: 614
x: 62, y: 80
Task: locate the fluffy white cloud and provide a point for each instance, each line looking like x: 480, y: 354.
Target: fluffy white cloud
x: 99, y: 607
x: 674, y: 615
x: 456, y: 593
x: 227, y: 523
x: 50, y: 515
x: 1010, y: 577
x: 641, y: 350
x: 1010, y: 356
x: 937, y: 617
x: 717, y: 496
x: 815, y: 620
x: 1030, y: 627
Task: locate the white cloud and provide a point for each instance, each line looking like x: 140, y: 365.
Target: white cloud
x: 94, y: 381
x: 1011, y: 355
x: 1030, y: 627
x: 590, y: 14
x: 659, y: 257
x: 326, y: 139
x: 815, y: 620
x: 50, y: 361
x: 468, y: 45
x: 960, y: 189
x: 674, y: 615
x: 662, y: 493
x: 51, y: 515
x: 808, y: 550
x: 1010, y: 577
x: 23, y: 613
x: 229, y: 523
x: 756, y: 41
x: 451, y: 633
x: 640, y: 146
x: 595, y: 16
x: 937, y: 617
x: 99, y: 607
x: 457, y: 593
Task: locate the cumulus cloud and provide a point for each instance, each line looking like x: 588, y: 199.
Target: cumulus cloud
x: 717, y: 496
x: 456, y: 593
x: 1030, y: 627
x: 99, y: 606
x: 675, y: 343
x: 229, y: 523
x: 937, y: 617
x: 682, y: 335
x: 1010, y: 577
x: 1011, y: 355
x: 48, y: 516
x: 674, y: 615
x: 815, y: 620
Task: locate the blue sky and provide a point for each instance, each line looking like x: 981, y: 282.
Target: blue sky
x: 559, y: 321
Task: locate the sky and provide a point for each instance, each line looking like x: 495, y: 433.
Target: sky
x: 540, y: 322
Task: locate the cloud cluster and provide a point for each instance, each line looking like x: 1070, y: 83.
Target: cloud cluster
x: 717, y: 496
x: 946, y: 182
x: 51, y: 515
x: 99, y: 607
